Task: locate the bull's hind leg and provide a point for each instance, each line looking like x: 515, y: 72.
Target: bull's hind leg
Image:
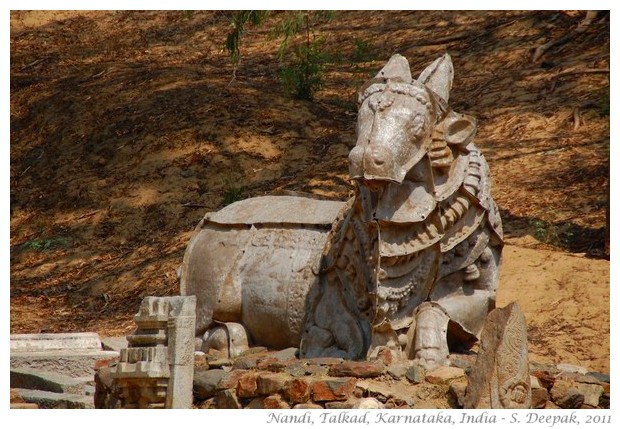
x: 226, y: 340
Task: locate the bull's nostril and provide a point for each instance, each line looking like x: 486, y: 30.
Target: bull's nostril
x: 378, y: 162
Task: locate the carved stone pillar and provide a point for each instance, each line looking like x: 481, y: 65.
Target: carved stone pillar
x: 156, y: 370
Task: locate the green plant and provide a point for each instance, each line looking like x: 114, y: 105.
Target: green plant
x: 303, y: 76
x: 362, y: 50
x: 301, y: 69
x: 44, y: 244
x: 301, y: 52
x: 559, y: 235
x: 238, y: 24
x: 233, y: 193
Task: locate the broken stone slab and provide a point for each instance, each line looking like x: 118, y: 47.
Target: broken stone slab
x: 332, y: 389
x: 368, y: 403
x: 500, y: 377
x: 540, y: 396
x: 297, y: 390
x: 567, y: 367
x: 591, y: 393
x: 415, y: 374
x: 227, y: 399
x: 70, y: 362
x: 271, y: 383
x: 566, y: 395
x: 56, y: 400
x: 45, y: 342
x: 206, y: 382
x: 457, y: 390
x: 443, y: 374
x: 23, y: 406
x: 276, y: 401
x: 114, y: 343
x: 357, y: 369
x: 24, y: 378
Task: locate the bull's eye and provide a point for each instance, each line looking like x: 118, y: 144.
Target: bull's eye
x: 416, y: 127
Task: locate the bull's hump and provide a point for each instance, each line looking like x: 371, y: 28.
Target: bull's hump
x: 283, y: 210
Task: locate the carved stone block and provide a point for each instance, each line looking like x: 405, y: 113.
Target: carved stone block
x: 500, y: 377
x: 156, y: 370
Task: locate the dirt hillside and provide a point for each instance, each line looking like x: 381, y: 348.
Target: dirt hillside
x: 126, y: 127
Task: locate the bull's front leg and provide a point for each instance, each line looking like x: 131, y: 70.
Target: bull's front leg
x: 430, y: 346
x: 331, y: 329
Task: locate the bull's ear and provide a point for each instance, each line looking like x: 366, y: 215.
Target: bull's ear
x: 438, y: 76
x: 397, y: 68
x: 459, y: 129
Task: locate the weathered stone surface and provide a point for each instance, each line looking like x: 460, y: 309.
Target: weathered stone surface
x: 200, y: 360
x: 114, y: 343
x: 308, y: 406
x: 457, y: 390
x: 545, y: 378
x: 46, y: 342
x: 230, y: 380
x: 218, y: 362
x: 567, y: 367
x: 246, y: 387
x: 500, y: 377
x: 356, y: 369
x: 578, y: 377
x: 286, y: 354
x: 464, y: 361
x: 415, y: 374
x: 227, y: 399
x: 245, y: 362
x: 296, y: 369
x: 257, y: 403
x: 324, y: 361
x: 339, y: 405
x: 332, y: 389
x: 443, y: 374
x: 106, y: 392
x: 398, y: 370
x: 317, y: 370
x: 206, y: 383
x: 565, y: 394
x: 23, y: 406
x: 540, y: 396
x: 368, y: 403
x: 275, y: 401
x: 297, y: 390
x: 56, y: 400
x: 272, y: 364
x: 71, y: 363
x: 603, y: 378
x: 270, y: 383
x: 591, y: 393
x: 48, y: 381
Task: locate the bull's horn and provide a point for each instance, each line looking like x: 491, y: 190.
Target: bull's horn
x: 397, y: 68
x: 438, y: 76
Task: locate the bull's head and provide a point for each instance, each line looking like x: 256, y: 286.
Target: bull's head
x: 396, y: 121
x: 396, y: 118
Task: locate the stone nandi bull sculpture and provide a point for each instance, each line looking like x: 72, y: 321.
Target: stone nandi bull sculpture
x: 411, y: 262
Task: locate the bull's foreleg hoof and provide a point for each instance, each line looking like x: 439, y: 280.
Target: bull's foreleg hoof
x: 226, y: 340
x: 430, y: 349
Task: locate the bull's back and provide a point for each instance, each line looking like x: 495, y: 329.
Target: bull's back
x: 254, y: 261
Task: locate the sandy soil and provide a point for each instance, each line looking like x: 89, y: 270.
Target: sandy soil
x: 127, y: 126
